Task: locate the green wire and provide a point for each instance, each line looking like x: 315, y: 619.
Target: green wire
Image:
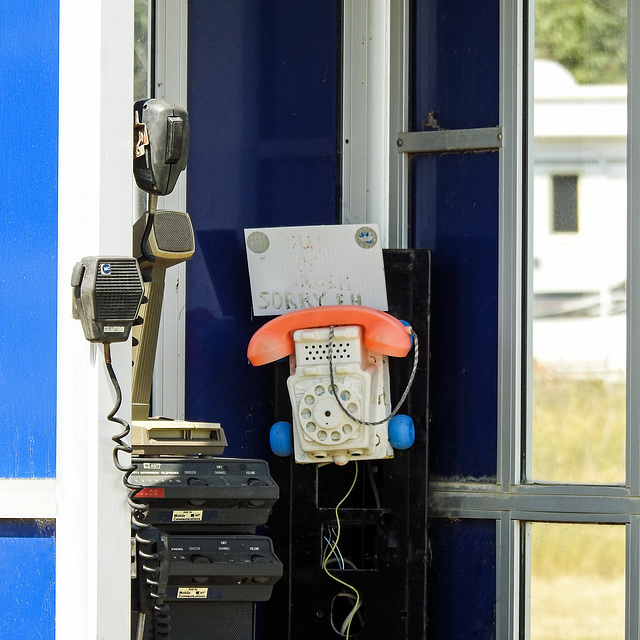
x: 333, y: 548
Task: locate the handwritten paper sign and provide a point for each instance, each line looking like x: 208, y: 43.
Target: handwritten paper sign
x: 296, y: 267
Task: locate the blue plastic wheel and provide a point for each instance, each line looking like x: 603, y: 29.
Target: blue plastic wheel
x: 281, y: 439
x: 402, y: 432
x: 407, y: 324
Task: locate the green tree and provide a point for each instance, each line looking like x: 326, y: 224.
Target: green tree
x: 588, y: 37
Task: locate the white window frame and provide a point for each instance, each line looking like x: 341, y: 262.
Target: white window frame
x: 95, y: 195
x: 374, y: 109
x: 96, y: 209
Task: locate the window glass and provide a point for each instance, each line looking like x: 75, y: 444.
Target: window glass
x: 579, y: 242
x: 142, y: 69
x: 577, y: 581
x: 142, y: 49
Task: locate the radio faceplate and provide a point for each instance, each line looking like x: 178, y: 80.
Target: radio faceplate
x: 232, y: 567
x: 192, y: 492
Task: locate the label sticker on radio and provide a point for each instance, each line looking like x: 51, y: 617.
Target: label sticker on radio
x: 192, y: 593
x: 187, y: 516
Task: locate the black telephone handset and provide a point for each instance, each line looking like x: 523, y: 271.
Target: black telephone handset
x: 161, y: 145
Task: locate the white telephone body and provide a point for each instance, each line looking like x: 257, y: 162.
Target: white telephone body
x: 321, y: 429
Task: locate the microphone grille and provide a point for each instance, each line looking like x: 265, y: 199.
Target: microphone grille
x: 173, y: 232
x: 118, y: 290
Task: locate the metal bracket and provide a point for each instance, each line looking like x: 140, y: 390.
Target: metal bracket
x: 454, y: 140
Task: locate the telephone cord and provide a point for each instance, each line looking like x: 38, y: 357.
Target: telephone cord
x: 138, y: 508
x: 336, y: 395
x: 138, y: 511
x: 146, y: 256
x: 121, y: 445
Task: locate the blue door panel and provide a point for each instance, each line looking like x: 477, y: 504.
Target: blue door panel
x: 461, y: 581
x: 297, y: 64
x: 455, y: 85
x: 455, y: 215
x: 455, y: 63
x: 263, y: 109
x: 27, y: 580
x: 28, y: 237
x: 308, y: 186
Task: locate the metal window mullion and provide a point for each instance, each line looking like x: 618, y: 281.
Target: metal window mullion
x: 365, y: 114
x: 565, y: 503
x: 632, y: 588
x: 399, y: 121
x: 354, y: 112
x: 511, y: 566
x: 632, y: 574
x: 508, y: 577
x: 528, y: 13
x: 525, y: 581
x: 633, y: 251
x: 510, y: 281
x: 375, y: 103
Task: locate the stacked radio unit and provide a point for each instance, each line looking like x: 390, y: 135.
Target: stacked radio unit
x: 198, y: 561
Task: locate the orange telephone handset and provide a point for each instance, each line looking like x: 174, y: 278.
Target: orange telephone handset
x: 382, y: 333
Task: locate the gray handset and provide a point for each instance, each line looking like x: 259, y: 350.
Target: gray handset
x: 161, y: 145
x: 107, y: 293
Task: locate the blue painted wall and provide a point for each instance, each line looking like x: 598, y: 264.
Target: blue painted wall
x: 27, y: 580
x: 28, y: 289
x: 28, y: 237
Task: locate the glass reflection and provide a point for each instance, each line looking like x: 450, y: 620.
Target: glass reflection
x: 579, y: 242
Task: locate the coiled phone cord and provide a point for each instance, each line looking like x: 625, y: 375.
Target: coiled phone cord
x: 336, y: 395
x: 154, y: 577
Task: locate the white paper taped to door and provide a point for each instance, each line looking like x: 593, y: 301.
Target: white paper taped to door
x: 297, y: 267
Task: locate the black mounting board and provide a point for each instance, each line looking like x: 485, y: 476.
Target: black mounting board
x: 383, y: 544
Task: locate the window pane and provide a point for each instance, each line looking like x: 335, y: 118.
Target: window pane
x: 577, y: 582
x: 579, y: 242
x: 461, y: 579
x: 142, y: 67
x: 142, y: 49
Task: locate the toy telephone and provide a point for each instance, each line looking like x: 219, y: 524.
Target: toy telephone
x: 338, y: 383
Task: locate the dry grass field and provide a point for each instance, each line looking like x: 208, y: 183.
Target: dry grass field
x: 577, y: 609
x: 578, y: 430
x: 577, y: 581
